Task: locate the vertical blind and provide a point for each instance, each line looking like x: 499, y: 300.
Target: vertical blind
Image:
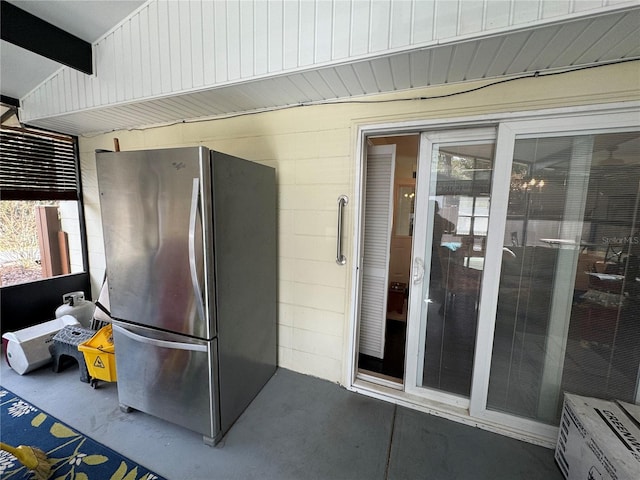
x: 37, y: 165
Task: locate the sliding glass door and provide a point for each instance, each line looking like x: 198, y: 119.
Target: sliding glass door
x: 524, y: 281
x: 454, y: 193
x: 569, y: 289
x: 526, y: 268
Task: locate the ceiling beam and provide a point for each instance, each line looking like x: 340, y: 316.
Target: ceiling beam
x: 8, y: 114
x: 14, y: 102
x: 34, y: 34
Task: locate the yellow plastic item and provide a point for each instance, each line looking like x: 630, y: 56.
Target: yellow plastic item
x: 99, y: 355
x: 32, y: 458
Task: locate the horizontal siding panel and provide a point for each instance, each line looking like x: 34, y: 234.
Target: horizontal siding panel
x: 208, y: 43
x: 307, y: 33
x: 560, y: 7
x: 528, y: 57
x: 560, y: 40
x: 584, y: 5
x: 246, y: 39
x: 360, y: 23
x: 423, y: 21
x: 382, y: 71
x: 81, y: 90
x: 626, y: 29
x: 446, y: 19
x: 507, y: 54
x: 485, y: 52
x: 185, y: 62
x: 220, y: 103
x: 136, y: 58
x: 379, y: 31
x: 526, y: 12
x: 440, y: 58
x: 323, y: 32
x: 291, y: 31
x: 419, y: 65
x: 333, y: 81
x: 630, y: 46
x: 220, y: 41
x: 400, y: 71
x: 350, y: 80
x: 122, y: 67
x: 366, y: 77
x: 232, y: 99
x: 260, y: 90
x: 196, y: 36
x: 497, y: 14
x: 341, y: 30
x: 261, y: 38
x: 304, y: 86
x: 471, y: 16
x: 400, y: 24
x: 275, y: 36
x: 234, y: 41
x: 320, y: 84
x: 463, y: 55
x: 164, y: 44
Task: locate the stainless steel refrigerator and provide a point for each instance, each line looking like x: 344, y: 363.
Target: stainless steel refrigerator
x: 190, y: 246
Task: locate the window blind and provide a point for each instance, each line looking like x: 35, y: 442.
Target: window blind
x: 377, y: 241
x: 37, y: 165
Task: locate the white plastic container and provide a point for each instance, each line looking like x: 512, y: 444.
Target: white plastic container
x: 28, y: 349
x: 75, y: 305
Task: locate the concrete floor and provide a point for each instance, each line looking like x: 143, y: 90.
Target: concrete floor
x: 298, y: 427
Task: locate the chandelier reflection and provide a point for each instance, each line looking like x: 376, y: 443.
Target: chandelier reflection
x: 525, y: 185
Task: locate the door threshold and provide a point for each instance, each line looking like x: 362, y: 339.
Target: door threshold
x: 380, y: 379
x: 394, y: 393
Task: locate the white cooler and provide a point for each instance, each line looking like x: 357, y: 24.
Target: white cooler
x: 28, y: 349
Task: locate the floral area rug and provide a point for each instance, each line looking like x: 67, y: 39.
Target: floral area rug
x: 73, y: 456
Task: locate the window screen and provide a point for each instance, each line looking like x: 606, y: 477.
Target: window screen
x: 40, y: 212
x: 37, y: 166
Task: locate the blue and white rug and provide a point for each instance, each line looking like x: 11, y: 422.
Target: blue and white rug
x: 73, y: 456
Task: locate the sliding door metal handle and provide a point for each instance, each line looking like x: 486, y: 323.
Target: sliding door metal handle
x: 342, y: 201
x: 418, y: 270
x: 193, y: 268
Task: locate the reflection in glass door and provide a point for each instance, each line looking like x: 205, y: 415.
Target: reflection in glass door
x: 569, y: 288
x: 452, y: 225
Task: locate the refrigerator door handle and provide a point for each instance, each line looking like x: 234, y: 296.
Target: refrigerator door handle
x: 161, y: 343
x: 193, y: 217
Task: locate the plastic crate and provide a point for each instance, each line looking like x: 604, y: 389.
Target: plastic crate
x: 99, y: 355
x: 28, y: 349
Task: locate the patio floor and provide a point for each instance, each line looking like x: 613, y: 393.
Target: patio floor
x: 298, y: 427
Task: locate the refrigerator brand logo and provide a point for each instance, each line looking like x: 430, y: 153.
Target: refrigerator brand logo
x: 178, y: 165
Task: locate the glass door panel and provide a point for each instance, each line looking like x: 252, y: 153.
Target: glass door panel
x: 569, y: 288
x: 453, y: 223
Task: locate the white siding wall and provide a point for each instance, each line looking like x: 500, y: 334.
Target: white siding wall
x: 313, y: 151
x: 169, y: 47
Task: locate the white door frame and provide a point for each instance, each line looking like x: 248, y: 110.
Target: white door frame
x: 567, y: 119
x: 423, y: 235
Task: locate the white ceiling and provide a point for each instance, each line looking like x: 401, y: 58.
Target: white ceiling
x: 22, y: 70
x: 546, y: 47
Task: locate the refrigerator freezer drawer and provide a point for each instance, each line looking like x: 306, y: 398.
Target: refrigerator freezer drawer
x: 168, y: 376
